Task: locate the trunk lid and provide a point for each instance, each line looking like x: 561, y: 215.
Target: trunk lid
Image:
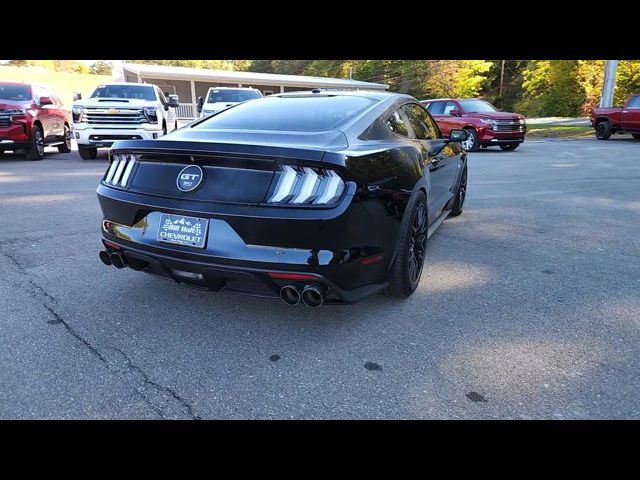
x: 231, y: 172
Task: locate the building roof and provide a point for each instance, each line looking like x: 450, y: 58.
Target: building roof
x: 250, y: 78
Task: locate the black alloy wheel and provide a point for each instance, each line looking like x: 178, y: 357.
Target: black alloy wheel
x: 35, y: 150
x: 409, y: 262
x: 461, y: 194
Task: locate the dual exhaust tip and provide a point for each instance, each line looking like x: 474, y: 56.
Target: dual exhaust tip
x: 116, y: 259
x: 312, y: 295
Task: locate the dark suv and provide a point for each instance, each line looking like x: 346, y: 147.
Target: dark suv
x: 32, y: 117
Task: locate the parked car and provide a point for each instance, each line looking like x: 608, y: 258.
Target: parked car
x: 219, y: 98
x: 624, y: 119
x: 122, y: 111
x: 308, y: 196
x: 32, y: 117
x: 486, y: 125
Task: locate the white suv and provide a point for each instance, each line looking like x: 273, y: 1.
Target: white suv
x: 121, y: 111
x: 219, y: 98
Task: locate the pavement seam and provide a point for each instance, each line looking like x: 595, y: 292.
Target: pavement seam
x: 148, y: 381
x: 40, y: 291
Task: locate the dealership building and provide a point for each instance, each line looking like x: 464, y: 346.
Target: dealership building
x: 191, y: 83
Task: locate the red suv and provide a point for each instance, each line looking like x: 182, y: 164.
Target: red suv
x: 485, y: 123
x: 31, y: 116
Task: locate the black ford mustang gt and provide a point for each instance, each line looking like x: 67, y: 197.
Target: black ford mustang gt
x: 314, y: 197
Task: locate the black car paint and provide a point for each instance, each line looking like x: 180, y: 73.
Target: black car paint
x: 249, y: 238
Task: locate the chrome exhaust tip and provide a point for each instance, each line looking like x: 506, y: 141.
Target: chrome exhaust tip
x: 117, y: 260
x: 313, y: 295
x: 290, y: 295
x: 105, y: 257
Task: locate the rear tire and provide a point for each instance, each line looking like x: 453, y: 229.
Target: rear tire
x: 461, y: 193
x: 603, y: 130
x: 636, y: 136
x: 509, y: 146
x: 87, y: 153
x: 407, y: 266
x: 66, y: 146
x: 471, y: 144
x: 35, y: 150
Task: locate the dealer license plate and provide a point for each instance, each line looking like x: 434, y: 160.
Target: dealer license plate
x: 181, y: 230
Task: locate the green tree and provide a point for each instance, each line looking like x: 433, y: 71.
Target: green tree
x: 101, y: 68
x: 590, y: 75
x: 551, y: 88
x: 211, y: 64
x: 627, y: 80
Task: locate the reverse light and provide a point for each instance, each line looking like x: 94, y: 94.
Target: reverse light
x: 307, y: 186
x: 120, y: 169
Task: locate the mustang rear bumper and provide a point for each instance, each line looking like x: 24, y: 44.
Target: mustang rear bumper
x: 250, y: 253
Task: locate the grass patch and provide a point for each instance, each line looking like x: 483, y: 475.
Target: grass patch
x: 559, y: 131
x: 62, y: 83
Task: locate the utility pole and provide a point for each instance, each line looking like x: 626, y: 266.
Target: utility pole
x: 350, y: 73
x: 501, y: 77
x: 609, y: 83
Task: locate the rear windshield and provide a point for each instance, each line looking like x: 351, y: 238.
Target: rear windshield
x: 295, y: 114
x: 17, y: 93
x: 138, y: 92
x: 230, y: 96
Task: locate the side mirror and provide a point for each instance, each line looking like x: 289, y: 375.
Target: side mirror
x: 45, y: 101
x: 174, y: 101
x: 458, y: 135
x: 455, y: 112
x: 77, y: 96
x: 200, y: 104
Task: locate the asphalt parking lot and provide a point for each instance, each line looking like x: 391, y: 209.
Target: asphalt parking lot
x: 529, y: 307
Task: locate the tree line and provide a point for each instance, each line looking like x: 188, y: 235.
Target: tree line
x: 532, y: 87
x: 99, y: 67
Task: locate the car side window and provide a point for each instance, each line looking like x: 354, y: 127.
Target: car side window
x: 634, y: 102
x: 161, y: 97
x: 422, y: 124
x: 397, y: 124
x: 450, y: 106
x: 39, y: 92
x: 436, y: 108
x: 54, y: 98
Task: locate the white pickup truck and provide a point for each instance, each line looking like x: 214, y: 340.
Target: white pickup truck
x: 219, y: 98
x: 121, y: 111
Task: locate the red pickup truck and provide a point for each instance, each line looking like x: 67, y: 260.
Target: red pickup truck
x: 610, y: 120
x: 31, y: 116
x: 485, y: 124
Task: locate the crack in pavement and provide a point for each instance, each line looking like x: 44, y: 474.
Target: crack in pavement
x: 162, y: 388
x: 38, y: 291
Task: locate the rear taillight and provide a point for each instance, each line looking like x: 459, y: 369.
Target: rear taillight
x: 306, y: 186
x: 120, y: 169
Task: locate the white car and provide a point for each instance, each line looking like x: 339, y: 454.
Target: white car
x: 219, y: 98
x: 121, y: 111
